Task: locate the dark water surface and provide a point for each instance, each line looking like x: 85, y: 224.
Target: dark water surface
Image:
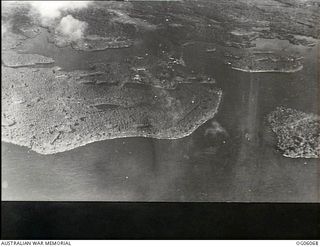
x: 242, y: 164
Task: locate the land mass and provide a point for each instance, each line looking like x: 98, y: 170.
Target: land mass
x: 297, y: 132
x: 145, y: 88
x: 49, y: 112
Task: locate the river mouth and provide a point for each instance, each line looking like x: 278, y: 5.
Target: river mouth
x: 238, y: 163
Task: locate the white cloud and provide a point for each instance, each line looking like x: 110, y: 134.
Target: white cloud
x: 71, y: 28
x: 50, y: 10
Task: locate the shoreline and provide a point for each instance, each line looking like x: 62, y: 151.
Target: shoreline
x: 118, y: 136
x: 268, y: 71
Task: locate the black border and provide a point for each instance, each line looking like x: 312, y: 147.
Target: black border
x: 133, y: 220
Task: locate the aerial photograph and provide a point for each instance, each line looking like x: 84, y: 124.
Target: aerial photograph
x: 160, y: 101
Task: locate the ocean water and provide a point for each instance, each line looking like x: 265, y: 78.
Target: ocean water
x: 240, y: 164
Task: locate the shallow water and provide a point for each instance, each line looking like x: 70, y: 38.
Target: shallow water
x: 70, y: 59
x: 241, y: 165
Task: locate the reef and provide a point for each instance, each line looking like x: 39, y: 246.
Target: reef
x: 266, y: 63
x: 298, y: 133
x: 91, y: 42
x: 97, y: 43
x: 14, y: 60
x: 139, y: 83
